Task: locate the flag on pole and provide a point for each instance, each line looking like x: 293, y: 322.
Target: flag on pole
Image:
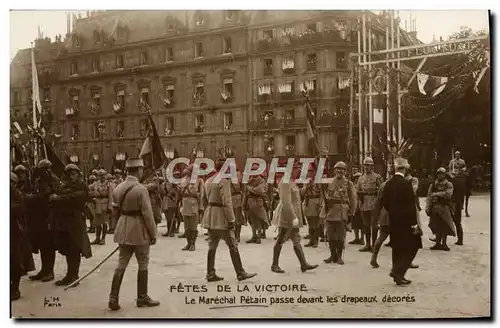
x: 478, y: 76
x: 152, y: 151
x: 422, y: 80
x: 57, y: 163
x: 35, y: 92
x: 439, y: 84
x: 312, y: 139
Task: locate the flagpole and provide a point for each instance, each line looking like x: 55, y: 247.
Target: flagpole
x: 35, y: 127
x: 370, y: 89
x: 387, y: 87
x: 398, y: 45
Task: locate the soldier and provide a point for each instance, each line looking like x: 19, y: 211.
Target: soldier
x: 71, y: 237
x: 357, y: 223
x: 236, y: 189
x: 110, y: 179
x: 383, y: 221
x: 170, y: 194
x: 311, y: 193
x: 220, y: 221
x: 154, y: 194
x: 439, y: 210
x: 457, y: 169
x: 254, y: 205
x: 101, y: 194
x: 91, y: 204
x: 367, y: 188
x: 135, y: 233
x: 23, y: 183
x: 341, y: 203
x: 118, y: 176
x: 38, y: 218
x: 192, y: 207
x: 290, y: 220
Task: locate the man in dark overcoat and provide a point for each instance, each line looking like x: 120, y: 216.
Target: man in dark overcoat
x: 70, y: 231
x: 399, y: 201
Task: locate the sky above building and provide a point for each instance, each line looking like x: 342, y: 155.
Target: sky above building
x: 429, y: 23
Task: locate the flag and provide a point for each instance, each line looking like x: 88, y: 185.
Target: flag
x: 57, y: 163
x: 35, y: 91
x: 378, y: 116
x: 478, y: 78
x: 152, y: 151
x: 422, y: 80
x: 438, y: 85
x: 312, y: 139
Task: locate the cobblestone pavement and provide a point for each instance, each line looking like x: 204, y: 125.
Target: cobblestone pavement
x: 447, y: 284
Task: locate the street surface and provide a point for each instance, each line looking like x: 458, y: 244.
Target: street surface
x: 447, y: 284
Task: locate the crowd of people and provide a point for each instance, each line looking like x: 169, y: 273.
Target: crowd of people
x: 50, y: 214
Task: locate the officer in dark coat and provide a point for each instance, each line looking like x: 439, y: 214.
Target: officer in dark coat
x: 21, y: 260
x: 69, y: 226
x: 399, y: 200
x: 38, y: 217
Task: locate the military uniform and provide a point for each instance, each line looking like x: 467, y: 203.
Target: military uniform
x: 236, y: 195
x: 113, y: 182
x: 311, y: 193
x: 134, y: 233
x: 439, y: 210
x: 254, y: 205
x: 90, y: 209
x: 357, y: 222
x: 170, y: 194
x: 367, y: 188
x: 191, y: 209
x: 71, y: 236
x: 154, y: 194
x: 457, y: 169
x: 383, y: 221
x: 341, y: 204
x: 101, y: 193
x: 220, y: 221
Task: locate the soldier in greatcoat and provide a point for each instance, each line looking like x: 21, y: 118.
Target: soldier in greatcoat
x: 71, y: 237
x: 311, y: 193
x: 357, y: 223
x: 154, y: 194
x: 254, y: 205
x: 236, y: 193
x: 341, y: 204
x: 90, y: 204
x: 170, y: 194
x: 38, y: 213
x: 439, y: 210
x: 367, y: 189
x: 220, y: 221
x: 21, y: 260
x: 135, y: 233
x: 290, y: 220
x: 100, y: 194
x: 191, y: 208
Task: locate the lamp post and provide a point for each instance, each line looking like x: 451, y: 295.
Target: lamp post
x: 101, y: 127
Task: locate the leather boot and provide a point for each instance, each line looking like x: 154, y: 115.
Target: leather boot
x: 193, y: 236
x: 333, y: 254
x: 276, y: 257
x: 254, y: 236
x: 460, y: 236
x: 374, y: 236
x: 237, y: 233
x: 74, y: 262
x: 143, y: 300
x: 444, y: 246
x: 113, y: 303
x: 48, y: 260
x: 308, y: 235
x: 315, y: 238
x: 188, y: 239
x: 311, y: 238
x: 15, y: 294
x: 322, y: 233
x: 340, y: 251
x: 211, y: 276
x: 373, y: 261
x: 104, y: 232
x: 368, y: 247
x: 304, y: 266
x: 238, y: 266
x: 97, y: 239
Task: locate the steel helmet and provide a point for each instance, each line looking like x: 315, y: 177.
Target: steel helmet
x: 72, y: 167
x: 340, y: 165
x: 20, y: 168
x: 13, y: 177
x: 368, y: 161
x: 44, y: 164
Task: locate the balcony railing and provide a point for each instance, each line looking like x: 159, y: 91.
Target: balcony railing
x: 267, y: 45
x: 287, y: 96
x: 316, y: 37
x: 265, y: 98
x: 278, y: 123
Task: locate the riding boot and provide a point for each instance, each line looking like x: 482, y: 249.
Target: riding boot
x: 104, y: 232
x: 97, y: 239
x: 276, y: 257
x: 74, y: 262
x: 311, y: 238
x: 374, y: 236
x: 309, y: 234
x: 340, y: 251
x: 304, y: 266
x: 15, y: 294
x: 460, y: 235
x: 193, y: 236
x: 322, y: 232
x: 113, y: 303
x: 333, y: 254
x: 238, y: 266
x: 368, y: 246
x: 48, y: 256
x: 143, y: 300
x: 211, y: 276
x: 315, y: 237
x: 237, y: 233
x: 188, y: 239
x: 373, y: 261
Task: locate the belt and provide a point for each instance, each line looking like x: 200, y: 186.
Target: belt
x: 215, y: 204
x: 131, y: 213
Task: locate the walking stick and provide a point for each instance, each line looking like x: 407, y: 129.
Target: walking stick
x: 92, y: 270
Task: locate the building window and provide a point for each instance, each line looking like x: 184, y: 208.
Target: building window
x: 119, y: 61
x: 199, y: 94
x: 199, y: 123
x: 269, y: 145
x: 144, y: 127
x: 227, y: 89
x: 227, y: 45
x: 75, y: 102
x: 95, y: 65
x: 75, y: 132
x: 199, y: 18
x: 145, y: 97
x: 342, y: 83
x: 73, y: 70
x: 169, y: 126
x: 120, y: 129
x: 119, y: 104
x: 311, y: 28
x: 288, y: 65
x: 169, y: 54
x: 268, y: 66
x: 289, y: 115
x: 309, y: 86
x: 97, y: 37
x: 228, y: 14
x: 290, y: 143
x: 169, y: 95
x: 198, y: 50
x: 95, y: 130
x: 228, y: 121
x: 267, y: 34
x: 311, y: 62
x: 95, y: 102
x: 341, y: 62
x: 287, y: 87
x: 46, y: 94
x: 144, y: 58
